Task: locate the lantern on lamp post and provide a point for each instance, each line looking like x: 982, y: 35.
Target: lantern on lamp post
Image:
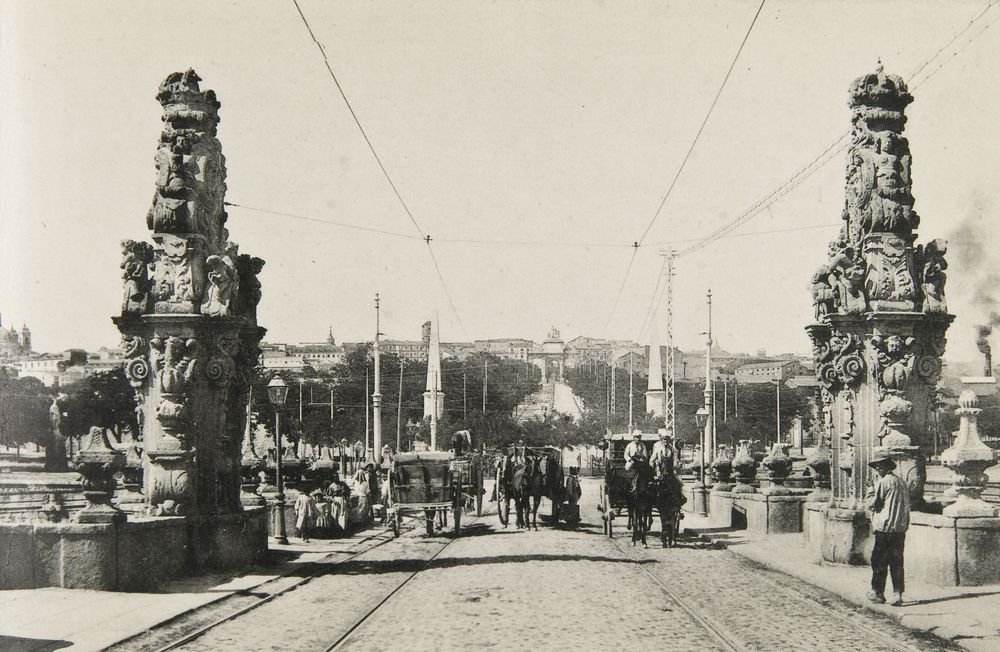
x: 277, y: 393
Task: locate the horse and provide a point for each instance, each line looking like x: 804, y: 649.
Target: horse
x: 529, y: 483
x: 640, y: 496
x: 669, y: 500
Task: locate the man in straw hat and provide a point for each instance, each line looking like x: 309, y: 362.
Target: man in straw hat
x: 890, y: 504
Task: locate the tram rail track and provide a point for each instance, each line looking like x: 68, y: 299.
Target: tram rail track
x: 345, y: 637
x: 828, y: 612
x: 255, y: 596
x: 730, y: 641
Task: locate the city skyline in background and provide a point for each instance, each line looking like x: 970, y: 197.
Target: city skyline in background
x: 534, y: 162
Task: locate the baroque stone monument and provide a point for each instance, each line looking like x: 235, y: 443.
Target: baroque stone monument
x: 881, y: 317
x: 188, y: 320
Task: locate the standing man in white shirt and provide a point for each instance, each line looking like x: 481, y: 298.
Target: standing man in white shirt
x: 890, y: 504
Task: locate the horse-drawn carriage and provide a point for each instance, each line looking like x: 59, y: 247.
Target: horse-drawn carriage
x: 425, y: 482
x: 637, y: 491
x: 527, y: 476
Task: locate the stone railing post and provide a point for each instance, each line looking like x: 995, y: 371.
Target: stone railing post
x: 97, y: 463
x: 967, y: 459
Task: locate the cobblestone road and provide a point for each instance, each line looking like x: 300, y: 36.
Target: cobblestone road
x: 553, y: 589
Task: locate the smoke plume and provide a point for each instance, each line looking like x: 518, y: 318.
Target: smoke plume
x: 975, y: 260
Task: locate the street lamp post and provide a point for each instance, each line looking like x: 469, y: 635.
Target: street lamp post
x: 699, y: 504
x: 777, y: 418
x: 277, y: 393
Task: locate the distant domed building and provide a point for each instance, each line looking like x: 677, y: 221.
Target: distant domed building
x: 14, y: 344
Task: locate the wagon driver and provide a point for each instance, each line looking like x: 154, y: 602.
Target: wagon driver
x: 635, y: 452
x: 662, y: 459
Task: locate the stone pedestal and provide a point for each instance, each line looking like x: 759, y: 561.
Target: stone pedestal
x: 845, y: 535
x: 952, y: 551
x: 699, y: 499
x: 720, y: 508
x: 771, y: 514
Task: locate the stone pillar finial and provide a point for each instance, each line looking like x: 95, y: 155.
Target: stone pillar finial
x: 967, y: 458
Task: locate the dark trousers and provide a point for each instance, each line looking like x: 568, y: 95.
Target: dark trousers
x: 887, y: 554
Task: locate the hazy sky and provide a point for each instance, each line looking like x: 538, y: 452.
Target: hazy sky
x: 553, y: 122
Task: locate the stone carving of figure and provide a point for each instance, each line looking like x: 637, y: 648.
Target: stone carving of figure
x: 893, y: 360
x: 848, y: 280
x: 822, y: 293
x: 223, y: 284
x: 932, y: 275
x: 134, y: 265
x: 247, y: 268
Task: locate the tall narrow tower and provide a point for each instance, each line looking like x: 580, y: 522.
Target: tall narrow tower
x: 433, y: 396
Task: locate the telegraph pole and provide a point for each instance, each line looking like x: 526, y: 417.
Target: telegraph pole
x: 368, y: 414
x: 465, y: 397
x: 706, y: 456
x: 486, y: 380
x: 377, y: 394
x: 631, y: 422
x: 399, y: 409
x: 669, y: 414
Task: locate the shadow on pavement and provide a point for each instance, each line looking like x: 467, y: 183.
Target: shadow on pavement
x: 384, y: 566
x: 962, y: 596
x: 18, y: 644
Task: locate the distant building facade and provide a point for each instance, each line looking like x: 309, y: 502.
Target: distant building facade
x: 14, y: 344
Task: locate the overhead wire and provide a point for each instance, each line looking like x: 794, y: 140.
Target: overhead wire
x: 687, y: 156
x: 808, y: 170
x: 426, y: 238
x: 704, y: 122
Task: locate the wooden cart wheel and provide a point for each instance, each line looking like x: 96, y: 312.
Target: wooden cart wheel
x: 503, y: 509
x: 609, y: 513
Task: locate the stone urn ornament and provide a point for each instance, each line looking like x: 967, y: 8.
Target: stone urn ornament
x: 97, y: 462
x: 744, y: 468
x: 967, y: 459
x: 819, y: 463
x: 779, y: 466
x: 722, y: 470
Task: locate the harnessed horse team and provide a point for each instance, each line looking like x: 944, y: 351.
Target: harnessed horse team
x: 524, y: 477
x: 650, y: 482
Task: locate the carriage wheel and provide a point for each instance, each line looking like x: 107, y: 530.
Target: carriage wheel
x: 395, y: 518
x: 609, y: 514
x: 429, y: 514
x: 503, y: 511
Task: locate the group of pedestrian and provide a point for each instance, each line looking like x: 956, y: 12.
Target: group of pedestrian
x: 322, y: 511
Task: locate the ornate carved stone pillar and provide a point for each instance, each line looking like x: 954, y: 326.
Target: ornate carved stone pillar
x: 879, y: 305
x: 188, y: 319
